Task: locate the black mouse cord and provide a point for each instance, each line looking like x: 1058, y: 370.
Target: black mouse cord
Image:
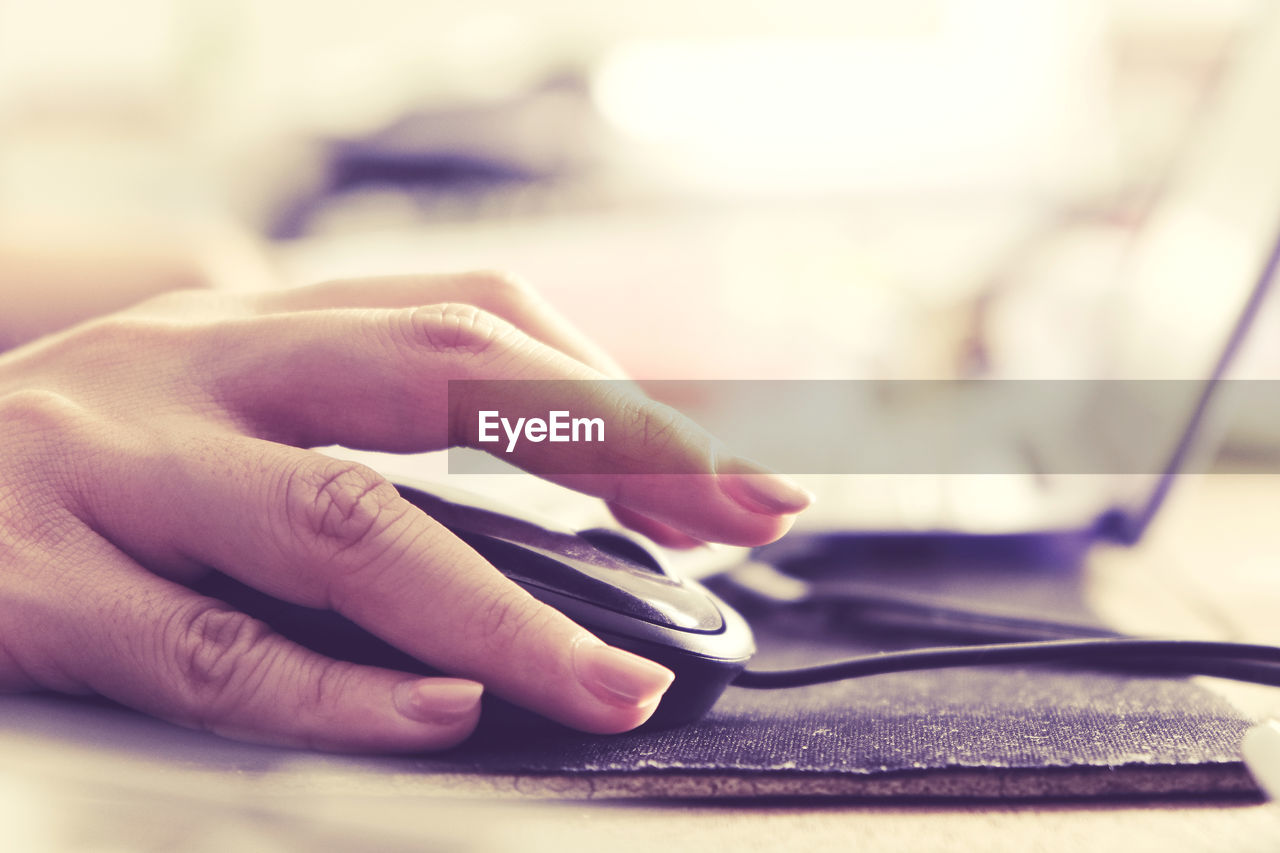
x: 1239, y: 661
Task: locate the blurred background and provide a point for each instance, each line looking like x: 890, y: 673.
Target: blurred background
x: 714, y: 189
x: 745, y: 189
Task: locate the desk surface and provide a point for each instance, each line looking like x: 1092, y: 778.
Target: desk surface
x: 74, y: 777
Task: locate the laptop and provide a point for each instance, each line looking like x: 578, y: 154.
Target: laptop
x: 1196, y: 274
x: 1210, y: 241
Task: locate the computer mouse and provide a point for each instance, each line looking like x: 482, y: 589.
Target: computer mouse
x: 613, y: 583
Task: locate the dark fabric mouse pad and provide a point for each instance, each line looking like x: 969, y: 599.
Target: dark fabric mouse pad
x: 977, y: 732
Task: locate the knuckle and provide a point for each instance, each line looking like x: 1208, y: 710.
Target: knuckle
x: 40, y: 410
x: 47, y: 436
x: 220, y: 658
x: 43, y: 430
x: 458, y: 328
x: 348, y: 519
x: 41, y: 536
x: 144, y: 352
x: 154, y: 358
x: 338, y: 505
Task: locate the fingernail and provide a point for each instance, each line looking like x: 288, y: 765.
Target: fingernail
x: 437, y: 700
x: 618, y: 677
x: 757, y: 489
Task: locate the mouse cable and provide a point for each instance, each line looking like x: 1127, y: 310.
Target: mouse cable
x: 1239, y: 661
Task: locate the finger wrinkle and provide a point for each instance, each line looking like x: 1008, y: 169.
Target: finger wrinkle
x: 339, y: 503
x: 455, y: 327
x: 362, y: 581
x: 216, y: 651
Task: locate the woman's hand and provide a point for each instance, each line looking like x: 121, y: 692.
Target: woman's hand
x: 143, y: 448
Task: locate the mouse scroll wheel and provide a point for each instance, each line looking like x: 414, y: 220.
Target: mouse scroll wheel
x: 620, y: 544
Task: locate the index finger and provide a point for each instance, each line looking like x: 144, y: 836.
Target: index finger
x: 501, y: 294
x: 380, y: 380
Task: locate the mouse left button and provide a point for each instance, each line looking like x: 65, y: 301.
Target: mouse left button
x: 619, y: 544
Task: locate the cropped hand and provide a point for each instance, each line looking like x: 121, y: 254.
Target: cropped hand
x: 148, y: 447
